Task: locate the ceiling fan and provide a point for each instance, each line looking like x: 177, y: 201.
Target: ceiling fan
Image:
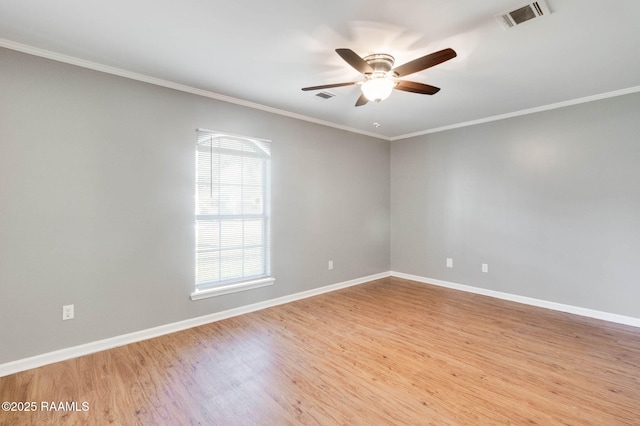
x: 380, y: 78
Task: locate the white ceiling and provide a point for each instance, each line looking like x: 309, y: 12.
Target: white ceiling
x: 264, y: 52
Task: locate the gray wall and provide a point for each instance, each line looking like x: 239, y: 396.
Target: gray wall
x: 96, y: 183
x: 551, y: 201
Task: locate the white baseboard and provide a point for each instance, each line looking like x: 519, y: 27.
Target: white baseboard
x: 101, y: 345
x: 137, y: 336
x: 585, y: 312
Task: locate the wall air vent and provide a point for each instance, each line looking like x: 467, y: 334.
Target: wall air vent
x: 523, y: 13
x: 325, y: 95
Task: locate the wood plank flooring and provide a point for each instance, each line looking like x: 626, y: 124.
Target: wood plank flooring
x: 387, y: 352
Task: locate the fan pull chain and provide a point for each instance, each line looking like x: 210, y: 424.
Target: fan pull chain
x: 211, y: 166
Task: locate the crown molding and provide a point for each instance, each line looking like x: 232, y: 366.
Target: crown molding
x: 43, y: 53
x: 24, y: 48
x: 549, y: 107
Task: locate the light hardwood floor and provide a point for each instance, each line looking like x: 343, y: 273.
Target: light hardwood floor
x: 387, y: 352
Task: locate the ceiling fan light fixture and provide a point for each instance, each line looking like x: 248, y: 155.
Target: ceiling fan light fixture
x: 377, y: 89
x: 380, y: 78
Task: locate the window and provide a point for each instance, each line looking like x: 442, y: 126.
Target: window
x: 232, y: 214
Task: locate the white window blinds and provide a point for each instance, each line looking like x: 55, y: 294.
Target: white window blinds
x: 232, y: 209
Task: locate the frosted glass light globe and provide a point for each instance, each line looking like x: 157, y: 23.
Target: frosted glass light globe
x: 377, y: 89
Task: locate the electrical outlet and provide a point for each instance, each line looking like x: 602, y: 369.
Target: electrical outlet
x: 330, y: 265
x: 449, y: 262
x: 485, y: 267
x: 67, y: 312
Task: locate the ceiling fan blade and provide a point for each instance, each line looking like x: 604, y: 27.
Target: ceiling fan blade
x: 328, y: 86
x: 362, y: 100
x: 425, y: 62
x: 353, y: 59
x: 415, y: 87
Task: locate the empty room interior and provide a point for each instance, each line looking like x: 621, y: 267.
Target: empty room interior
x: 303, y: 212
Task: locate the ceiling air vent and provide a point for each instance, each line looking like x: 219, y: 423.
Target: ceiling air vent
x: 325, y: 95
x: 523, y: 14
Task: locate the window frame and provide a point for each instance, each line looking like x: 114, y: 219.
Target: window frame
x: 260, y: 148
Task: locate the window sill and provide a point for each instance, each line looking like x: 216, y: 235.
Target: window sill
x: 231, y: 288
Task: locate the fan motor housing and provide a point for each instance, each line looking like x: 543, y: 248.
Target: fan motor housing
x: 380, y: 62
